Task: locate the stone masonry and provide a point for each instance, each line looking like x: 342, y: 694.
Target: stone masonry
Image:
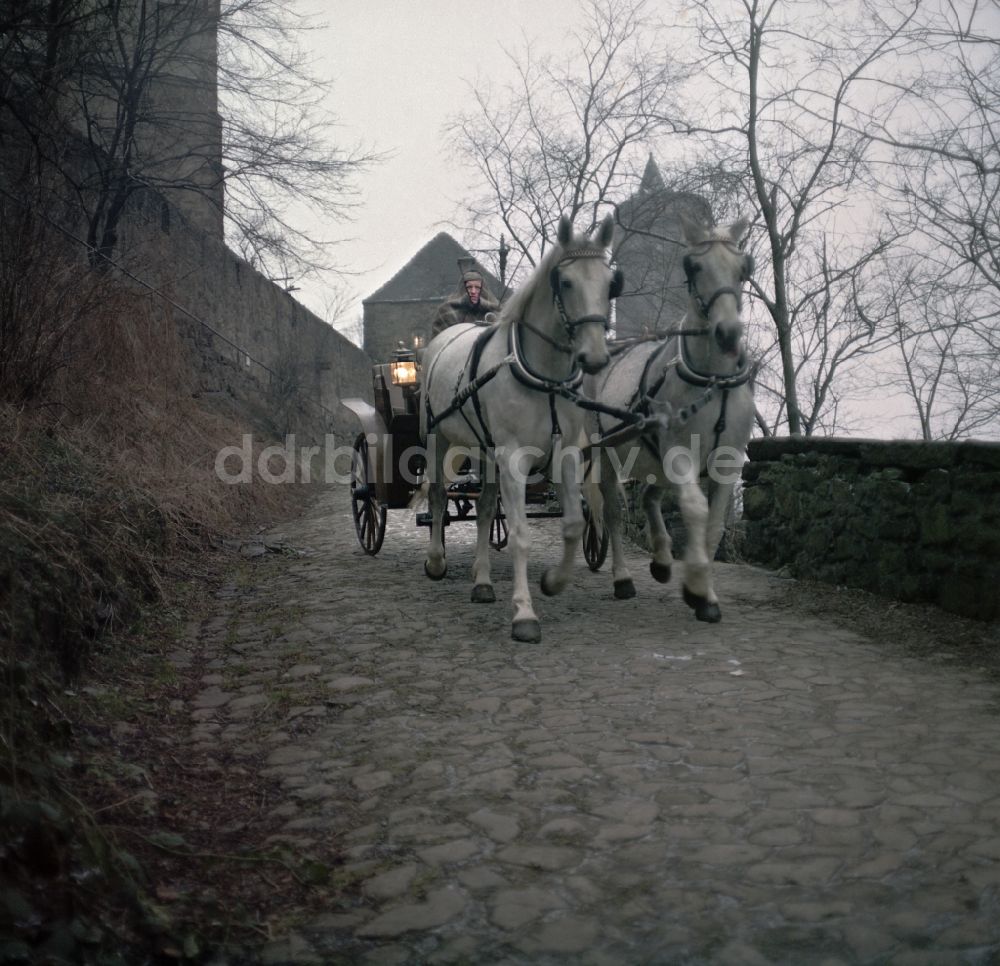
x: 637, y: 788
x: 913, y: 521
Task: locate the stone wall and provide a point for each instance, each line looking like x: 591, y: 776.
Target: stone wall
x: 256, y: 337
x: 908, y: 520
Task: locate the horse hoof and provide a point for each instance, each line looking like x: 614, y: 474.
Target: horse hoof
x: 624, y: 589
x: 660, y: 572
x: 704, y: 609
x: 432, y: 575
x: 549, y: 587
x: 526, y: 631
x: 483, y: 594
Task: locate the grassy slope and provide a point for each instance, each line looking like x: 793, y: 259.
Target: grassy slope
x: 110, y: 513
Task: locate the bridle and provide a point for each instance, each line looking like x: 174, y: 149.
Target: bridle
x: 685, y: 369
x: 691, y: 270
x: 615, y: 289
x: 519, y: 363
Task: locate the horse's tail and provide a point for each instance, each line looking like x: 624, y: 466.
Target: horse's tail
x: 419, y: 500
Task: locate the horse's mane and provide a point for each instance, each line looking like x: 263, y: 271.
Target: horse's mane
x: 719, y: 233
x: 710, y: 233
x: 514, y: 308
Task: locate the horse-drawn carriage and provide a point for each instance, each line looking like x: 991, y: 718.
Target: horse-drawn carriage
x: 389, y: 463
x: 545, y: 374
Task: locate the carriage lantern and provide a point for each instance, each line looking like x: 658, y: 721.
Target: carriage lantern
x: 403, y: 368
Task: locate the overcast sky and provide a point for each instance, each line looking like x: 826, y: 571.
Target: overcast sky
x: 400, y: 69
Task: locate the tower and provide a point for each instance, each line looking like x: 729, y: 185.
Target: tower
x: 184, y: 136
x: 648, y: 248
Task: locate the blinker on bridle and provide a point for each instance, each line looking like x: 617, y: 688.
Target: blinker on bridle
x: 691, y: 269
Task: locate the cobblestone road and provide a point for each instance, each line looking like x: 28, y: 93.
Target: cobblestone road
x: 637, y: 788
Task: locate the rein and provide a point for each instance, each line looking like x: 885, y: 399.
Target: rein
x: 618, y: 346
x: 545, y: 337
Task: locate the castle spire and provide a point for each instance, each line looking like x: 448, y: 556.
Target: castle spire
x: 652, y: 180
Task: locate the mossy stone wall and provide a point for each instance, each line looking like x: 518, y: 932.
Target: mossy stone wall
x: 908, y: 520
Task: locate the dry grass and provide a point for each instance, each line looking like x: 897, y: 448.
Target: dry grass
x: 110, y: 477
x: 108, y: 498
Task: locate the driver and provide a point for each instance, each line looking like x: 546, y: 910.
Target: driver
x: 470, y: 305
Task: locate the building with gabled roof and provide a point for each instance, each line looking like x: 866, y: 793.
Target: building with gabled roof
x: 402, y: 309
x: 647, y: 248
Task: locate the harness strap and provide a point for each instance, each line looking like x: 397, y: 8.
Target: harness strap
x: 720, y: 423
x: 688, y: 411
x: 561, y: 346
x: 745, y: 371
x: 527, y: 376
x: 618, y: 346
x: 476, y: 382
x: 571, y: 325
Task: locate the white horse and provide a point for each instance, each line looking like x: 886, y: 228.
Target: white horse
x: 677, y: 405
x: 504, y: 396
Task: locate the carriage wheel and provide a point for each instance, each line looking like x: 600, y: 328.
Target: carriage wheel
x: 498, y: 528
x: 369, y: 514
x: 595, y: 545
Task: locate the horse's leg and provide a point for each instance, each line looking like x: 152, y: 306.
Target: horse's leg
x: 659, y: 536
x: 698, y: 591
x: 482, y: 586
x: 525, y: 626
x: 620, y: 574
x: 435, y: 566
x: 567, y: 482
x: 718, y: 507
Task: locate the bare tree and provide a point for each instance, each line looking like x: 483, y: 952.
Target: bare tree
x: 118, y: 97
x: 947, y: 364
x: 945, y: 181
x: 783, y: 106
x: 338, y: 313
x: 795, y: 88
x: 946, y: 142
x: 571, y: 134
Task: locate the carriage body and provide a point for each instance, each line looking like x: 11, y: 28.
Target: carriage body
x: 397, y: 460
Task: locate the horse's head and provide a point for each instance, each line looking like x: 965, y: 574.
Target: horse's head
x: 583, y: 285
x: 716, y: 268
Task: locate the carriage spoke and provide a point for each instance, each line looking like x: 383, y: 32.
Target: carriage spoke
x: 595, y: 545
x: 369, y: 514
x: 499, y: 532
